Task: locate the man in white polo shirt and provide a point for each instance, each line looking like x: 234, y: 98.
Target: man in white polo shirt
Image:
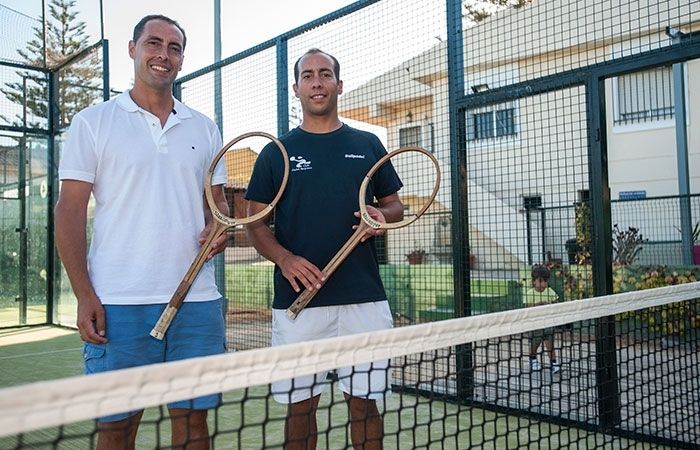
x: 143, y: 156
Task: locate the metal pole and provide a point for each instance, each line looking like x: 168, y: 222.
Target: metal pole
x: 218, y: 109
x: 220, y: 259
x: 682, y: 159
x: 105, y: 70
x: 460, y: 193
x: 609, y: 410
x: 43, y: 27
x: 52, y: 175
x: 542, y: 232
x: 529, y: 236
x: 282, y: 86
x: 22, y: 226
x: 102, y: 22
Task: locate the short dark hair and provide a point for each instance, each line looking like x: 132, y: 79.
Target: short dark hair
x: 138, y: 29
x: 313, y: 51
x: 540, y: 271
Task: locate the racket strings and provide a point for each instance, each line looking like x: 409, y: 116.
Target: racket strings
x: 419, y: 174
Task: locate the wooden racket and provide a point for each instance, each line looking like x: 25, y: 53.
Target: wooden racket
x: 239, y: 168
x: 417, y: 168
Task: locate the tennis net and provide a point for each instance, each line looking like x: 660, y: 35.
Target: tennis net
x: 627, y: 373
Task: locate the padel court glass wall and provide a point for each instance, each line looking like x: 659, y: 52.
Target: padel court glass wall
x: 555, y: 125
x: 24, y: 198
x: 36, y: 108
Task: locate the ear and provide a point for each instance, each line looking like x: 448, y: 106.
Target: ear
x: 340, y: 87
x: 132, y: 49
x: 296, y: 90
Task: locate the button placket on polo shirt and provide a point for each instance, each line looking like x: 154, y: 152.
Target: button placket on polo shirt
x: 157, y: 132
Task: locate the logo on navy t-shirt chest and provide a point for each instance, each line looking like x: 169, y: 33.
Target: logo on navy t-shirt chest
x: 299, y: 163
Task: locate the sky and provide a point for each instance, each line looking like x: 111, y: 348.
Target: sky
x: 243, y: 25
x: 364, y: 55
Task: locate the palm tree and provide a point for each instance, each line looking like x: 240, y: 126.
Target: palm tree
x: 78, y: 82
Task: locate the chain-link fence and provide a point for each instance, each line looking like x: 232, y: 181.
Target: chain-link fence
x: 540, y: 115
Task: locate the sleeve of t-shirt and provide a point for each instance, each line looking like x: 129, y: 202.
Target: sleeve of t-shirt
x: 267, y: 176
x: 219, y: 176
x: 532, y: 296
x: 79, y: 157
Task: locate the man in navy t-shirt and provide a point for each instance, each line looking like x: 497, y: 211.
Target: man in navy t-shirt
x: 315, y: 217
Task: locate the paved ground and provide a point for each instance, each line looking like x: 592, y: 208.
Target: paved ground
x: 659, y: 385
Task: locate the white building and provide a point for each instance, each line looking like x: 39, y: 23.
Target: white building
x: 537, y: 146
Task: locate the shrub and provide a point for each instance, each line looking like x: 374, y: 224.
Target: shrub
x: 627, y: 245
x: 675, y: 318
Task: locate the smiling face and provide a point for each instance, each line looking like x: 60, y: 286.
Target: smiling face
x: 157, y: 55
x: 318, y: 86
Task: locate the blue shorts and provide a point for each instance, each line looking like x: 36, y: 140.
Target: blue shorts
x: 197, y: 330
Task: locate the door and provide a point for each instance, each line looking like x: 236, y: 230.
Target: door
x: 12, y: 312
x: 23, y: 236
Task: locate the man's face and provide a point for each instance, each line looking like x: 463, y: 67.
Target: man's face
x: 318, y: 87
x: 157, y: 55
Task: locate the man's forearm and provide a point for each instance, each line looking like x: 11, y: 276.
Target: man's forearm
x: 221, y: 204
x: 71, y: 242
x: 265, y: 242
x: 392, y: 212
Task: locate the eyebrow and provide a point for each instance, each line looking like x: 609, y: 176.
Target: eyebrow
x: 323, y: 69
x: 160, y: 39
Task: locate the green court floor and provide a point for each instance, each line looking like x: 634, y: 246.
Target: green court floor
x: 250, y: 419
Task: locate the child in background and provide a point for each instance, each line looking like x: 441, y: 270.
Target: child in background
x: 541, y: 294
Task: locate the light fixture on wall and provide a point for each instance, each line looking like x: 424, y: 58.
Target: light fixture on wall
x: 675, y: 33
x: 480, y: 88
x: 409, y: 116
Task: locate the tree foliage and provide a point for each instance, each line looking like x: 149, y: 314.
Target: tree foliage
x: 475, y: 11
x: 79, y: 82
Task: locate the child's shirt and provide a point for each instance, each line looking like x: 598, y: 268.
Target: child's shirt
x: 532, y: 297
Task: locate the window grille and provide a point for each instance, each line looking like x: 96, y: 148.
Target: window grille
x: 645, y: 96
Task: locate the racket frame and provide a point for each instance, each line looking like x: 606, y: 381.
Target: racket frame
x: 221, y: 223
x: 367, y: 221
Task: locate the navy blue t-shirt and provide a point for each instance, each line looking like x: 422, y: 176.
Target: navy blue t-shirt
x: 315, y: 216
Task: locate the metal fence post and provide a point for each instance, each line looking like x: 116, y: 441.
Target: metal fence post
x: 601, y: 255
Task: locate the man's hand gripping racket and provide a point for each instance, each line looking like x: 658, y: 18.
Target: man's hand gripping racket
x: 239, y: 169
x: 419, y: 170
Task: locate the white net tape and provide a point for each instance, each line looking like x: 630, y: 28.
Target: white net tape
x: 45, y: 404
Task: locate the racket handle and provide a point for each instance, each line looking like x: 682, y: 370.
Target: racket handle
x: 306, y: 296
x: 163, y: 323
x: 300, y: 303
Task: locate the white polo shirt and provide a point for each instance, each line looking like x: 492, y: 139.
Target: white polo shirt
x: 148, y: 185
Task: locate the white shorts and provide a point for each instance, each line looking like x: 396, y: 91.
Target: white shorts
x: 370, y: 381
